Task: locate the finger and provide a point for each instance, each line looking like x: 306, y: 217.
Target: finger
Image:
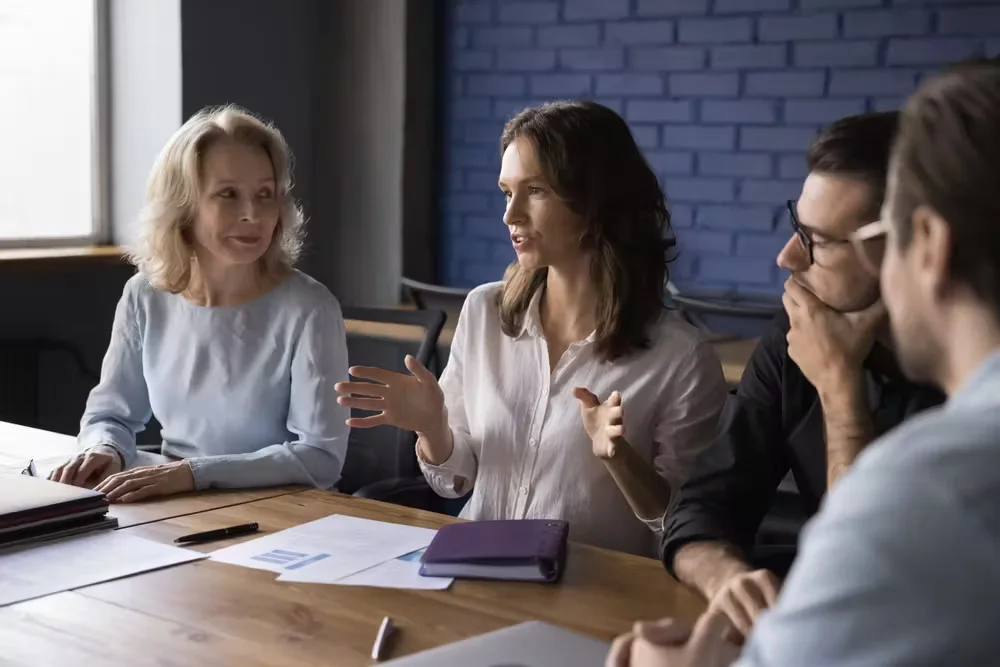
x: 367, y: 422
x: 148, y: 491
x: 116, y: 480
x: 790, y: 307
x: 736, y: 614
x: 749, y: 595
x: 57, y: 473
x: 616, y: 415
x: 621, y: 649
x: 375, y: 404
x: 586, y: 398
x: 615, y: 398
x: 128, y: 487
x: 770, y: 586
x: 419, y: 370
x: 376, y: 374
x: 801, y: 295
x: 667, y: 632
x: 90, y: 465
x: 368, y: 389
x: 69, y: 470
x: 712, y: 627
x: 615, y: 430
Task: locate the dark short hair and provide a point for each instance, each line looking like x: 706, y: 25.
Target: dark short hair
x: 590, y: 159
x: 857, y: 147
x: 947, y: 158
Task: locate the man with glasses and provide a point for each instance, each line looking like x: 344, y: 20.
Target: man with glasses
x: 820, y: 386
x: 902, y: 565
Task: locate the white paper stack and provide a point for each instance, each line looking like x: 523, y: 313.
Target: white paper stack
x: 82, y: 561
x: 342, y: 550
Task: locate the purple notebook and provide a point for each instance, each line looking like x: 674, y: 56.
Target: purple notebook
x: 527, y: 550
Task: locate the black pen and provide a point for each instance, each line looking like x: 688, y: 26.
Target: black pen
x: 218, y: 534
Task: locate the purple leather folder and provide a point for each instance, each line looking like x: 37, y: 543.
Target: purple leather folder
x: 527, y: 550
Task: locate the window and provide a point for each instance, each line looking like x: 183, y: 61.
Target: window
x: 53, y: 155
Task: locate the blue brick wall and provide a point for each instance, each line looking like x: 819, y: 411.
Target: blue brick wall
x: 722, y: 95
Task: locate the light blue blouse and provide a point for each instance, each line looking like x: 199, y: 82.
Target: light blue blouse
x: 245, y: 393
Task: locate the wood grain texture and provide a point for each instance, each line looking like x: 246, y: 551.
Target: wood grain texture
x: 602, y: 593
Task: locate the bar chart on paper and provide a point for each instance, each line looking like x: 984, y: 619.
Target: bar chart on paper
x: 288, y: 560
x: 327, y: 549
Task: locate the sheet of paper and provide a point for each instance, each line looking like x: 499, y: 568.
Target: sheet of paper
x: 81, y: 561
x: 327, y: 549
x: 402, y: 572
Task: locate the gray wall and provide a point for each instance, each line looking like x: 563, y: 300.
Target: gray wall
x: 333, y: 78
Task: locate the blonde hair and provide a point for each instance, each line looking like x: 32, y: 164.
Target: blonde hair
x: 163, y: 251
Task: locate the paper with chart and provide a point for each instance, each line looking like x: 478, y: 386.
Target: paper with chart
x: 327, y: 549
x: 402, y: 572
x: 81, y: 561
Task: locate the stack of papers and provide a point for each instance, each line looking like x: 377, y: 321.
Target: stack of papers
x: 342, y: 550
x: 82, y: 561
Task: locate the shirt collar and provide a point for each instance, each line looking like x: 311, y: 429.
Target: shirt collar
x: 532, y: 324
x: 983, y: 388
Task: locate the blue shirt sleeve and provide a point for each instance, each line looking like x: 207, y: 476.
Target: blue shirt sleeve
x: 118, y: 407
x: 316, y: 457
x: 887, y: 575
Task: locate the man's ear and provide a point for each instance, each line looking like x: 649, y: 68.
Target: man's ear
x: 931, y: 249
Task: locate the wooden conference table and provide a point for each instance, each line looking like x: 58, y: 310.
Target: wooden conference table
x: 207, y: 613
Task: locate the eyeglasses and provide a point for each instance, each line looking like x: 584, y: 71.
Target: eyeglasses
x: 869, y: 244
x: 808, y: 244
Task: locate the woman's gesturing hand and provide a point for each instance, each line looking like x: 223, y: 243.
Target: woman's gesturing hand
x: 412, y: 402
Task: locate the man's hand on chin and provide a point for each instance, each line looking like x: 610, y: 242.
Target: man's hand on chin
x: 828, y: 346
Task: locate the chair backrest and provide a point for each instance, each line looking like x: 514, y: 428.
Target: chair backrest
x: 427, y: 296
x: 382, y: 337
x: 693, y: 307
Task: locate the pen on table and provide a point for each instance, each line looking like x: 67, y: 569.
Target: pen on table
x: 384, y: 631
x: 219, y: 534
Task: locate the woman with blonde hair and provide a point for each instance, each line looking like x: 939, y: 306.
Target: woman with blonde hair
x: 515, y: 419
x: 234, y: 351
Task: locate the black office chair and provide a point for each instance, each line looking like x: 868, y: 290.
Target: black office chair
x: 693, y: 306
x: 21, y: 390
x: 381, y: 462
x: 426, y: 295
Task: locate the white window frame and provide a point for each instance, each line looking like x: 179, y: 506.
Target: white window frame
x: 100, y: 101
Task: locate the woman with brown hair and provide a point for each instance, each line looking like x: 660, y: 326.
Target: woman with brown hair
x: 580, y: 311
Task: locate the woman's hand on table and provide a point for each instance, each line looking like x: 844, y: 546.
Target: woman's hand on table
x: 89, y: 468
x: 148, y: 482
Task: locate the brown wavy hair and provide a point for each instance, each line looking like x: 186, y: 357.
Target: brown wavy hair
x: 591, y: 161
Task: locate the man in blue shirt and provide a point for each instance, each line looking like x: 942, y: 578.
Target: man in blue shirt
x: 902, y: 564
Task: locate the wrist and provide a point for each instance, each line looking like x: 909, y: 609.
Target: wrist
x: 436, y: 441
x: 105, y: 448
x: 842, y: 391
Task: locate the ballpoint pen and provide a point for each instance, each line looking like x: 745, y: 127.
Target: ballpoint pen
x: 219, y: 534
